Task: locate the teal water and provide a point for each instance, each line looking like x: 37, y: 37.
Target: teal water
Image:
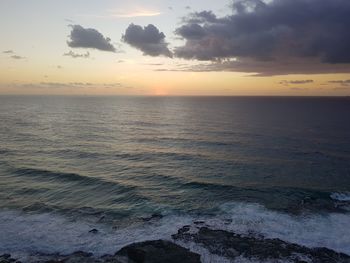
x: 116, y: 161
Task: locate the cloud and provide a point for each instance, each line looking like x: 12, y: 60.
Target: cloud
x: 70, y: 85
x: 13, y: 55
x: 147, y: 39
x: 17, y: 57
x: 298, y: 82
x: 298, y: 89
x: 76, y: 55
x: 81, y: 37
x: 133, y: 11
x: 271, y: 33
x: 341, y: 89
x: 267, y: 68
x: 341, y: 82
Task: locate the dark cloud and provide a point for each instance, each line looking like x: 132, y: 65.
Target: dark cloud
x: 298, y: 82
x: 76, y: 55
x: 271, y: 33
x: 147, y: 39
x: 13, y: 55
x: 341, y: 82
x: 191, y: 31
x: 268, y: 68
x: 81, y: 37
x: 17, y: 57
x: 71, y: 85
x: 154, y: 64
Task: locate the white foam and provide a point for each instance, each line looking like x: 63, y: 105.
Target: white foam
x: 23, y: 234
x: 344, y: 197
x: 207, y: 257
x: 316, y: 230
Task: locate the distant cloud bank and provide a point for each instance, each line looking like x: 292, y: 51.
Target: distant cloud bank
x: 270, y: 31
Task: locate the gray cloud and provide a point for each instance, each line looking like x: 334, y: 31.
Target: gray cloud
x: 81, y: 37
x: 147, y: 39
x: 267, y: 68
x: 341, y: 82
x: 74, y: 85
x: 17, y: 57
x: 288, y: 82
x: 13, y: 55
x: 271, y: 33
x: 298, y: 89
x: 342, y: 88
x: 76, y: 55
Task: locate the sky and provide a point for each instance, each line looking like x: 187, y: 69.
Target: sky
x: 184, y: 47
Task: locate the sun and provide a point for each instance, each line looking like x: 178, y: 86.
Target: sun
x: 160, y: 91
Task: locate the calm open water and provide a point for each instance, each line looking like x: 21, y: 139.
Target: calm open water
x: 277, y: 166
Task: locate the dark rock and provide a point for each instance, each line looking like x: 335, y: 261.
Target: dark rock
x: 93, y: 231
x: 76, y: 257
x: 152, y: 217
x: 101, y: 219
x: 231, y: 245
x: 184, y: 229
x: 157, y: 251
x: 6, y: 258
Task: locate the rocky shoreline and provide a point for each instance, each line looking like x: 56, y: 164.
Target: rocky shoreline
x: 223, y: 244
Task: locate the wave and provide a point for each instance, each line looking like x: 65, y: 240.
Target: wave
x: 344, y: 197
x: 24, y: 234
x: 48, y: 175
x: 311, y: 230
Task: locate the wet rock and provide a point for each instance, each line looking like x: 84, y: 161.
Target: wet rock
x: 93, y: 231
x: 76, y: 257
x: 184, y: 229
x: 157, y: 251
x: 231, y: 245
x: 6, y: 258
x: 152, y: 217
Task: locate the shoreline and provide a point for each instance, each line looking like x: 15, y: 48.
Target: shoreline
x: 243, y: 233
x: 191, y: 244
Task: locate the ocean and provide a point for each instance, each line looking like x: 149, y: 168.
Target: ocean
x: 140, y: 168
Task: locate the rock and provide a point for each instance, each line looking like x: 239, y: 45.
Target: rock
x: 93, y: 231
x: 184, y: 229
x: 153, y: 216
x: 76, y: 257
x: 157, y: 251
x: 6, y: 258
x: 231, y: 245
